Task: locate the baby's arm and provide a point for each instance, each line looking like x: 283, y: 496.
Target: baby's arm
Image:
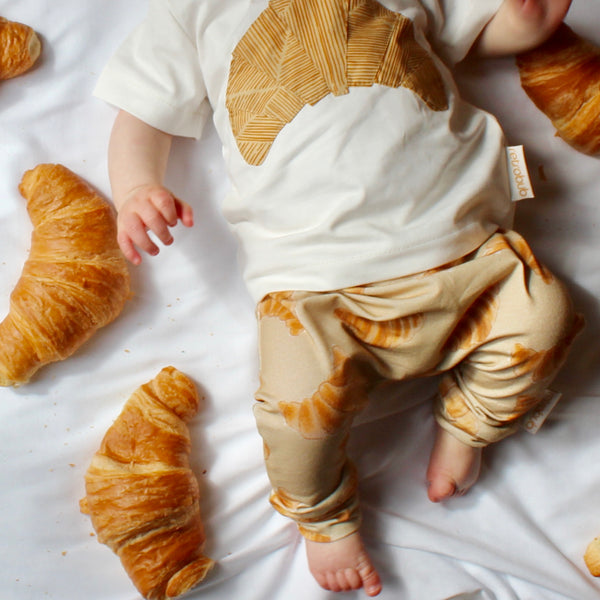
x: 520, y: 25
x: 137, y: 161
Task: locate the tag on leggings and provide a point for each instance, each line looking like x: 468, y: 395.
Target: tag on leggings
x: 520, y: 182
x: 534, y: 419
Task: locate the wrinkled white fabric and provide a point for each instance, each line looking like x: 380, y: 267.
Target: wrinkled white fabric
x: 519, y: 535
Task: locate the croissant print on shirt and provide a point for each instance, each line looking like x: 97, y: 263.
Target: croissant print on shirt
x: 299, y: 51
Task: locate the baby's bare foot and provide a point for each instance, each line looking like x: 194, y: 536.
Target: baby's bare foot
x: 343, y: 565
x: 453, y: 467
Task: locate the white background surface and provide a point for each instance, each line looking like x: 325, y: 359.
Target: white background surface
x: 520, y: 534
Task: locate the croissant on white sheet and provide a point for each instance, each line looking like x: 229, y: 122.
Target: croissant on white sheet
x: 20, y: 47
x: 562, y: 78
x: 592, y: 557
x: 75, y: 279
x: 141, y: 493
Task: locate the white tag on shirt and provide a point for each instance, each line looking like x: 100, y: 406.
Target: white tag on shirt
x: 534, y: 419
x: 520, y: 182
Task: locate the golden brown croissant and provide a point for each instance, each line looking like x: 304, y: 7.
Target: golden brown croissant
x: 74, y: 281
x: 19, y: 48
x: 142, y: 495
x: 562, y: 77
x: 592, y: 557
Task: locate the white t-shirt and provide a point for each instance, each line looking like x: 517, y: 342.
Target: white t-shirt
x: 352, y: 158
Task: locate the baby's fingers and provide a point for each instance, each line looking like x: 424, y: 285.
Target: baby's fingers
x: 166, y: 205
x: 184, y: 212
x: 171, y: 209
x: 133, y: 232
x: 149, y: 209
x: 156, y: 222
x: 128, y: 249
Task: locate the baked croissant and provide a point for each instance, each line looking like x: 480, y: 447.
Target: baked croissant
x: 562, y: 78
x: 74, y: 281
x: 19, y: 48
x: 141, y: 493
x: 592, y: 557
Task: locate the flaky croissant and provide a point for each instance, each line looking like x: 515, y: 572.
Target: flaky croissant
x: 74, y: 281
x: 142, y: 495
x: 562, y: 77
x: 19, y: 48
x: 592, y: 557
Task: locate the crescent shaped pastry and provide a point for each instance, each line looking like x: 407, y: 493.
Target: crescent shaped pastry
x: 592, y: 557
x: 562, y: 78
x: 299, y: 51
x: 141, y: 493
x: 74, y: 281
x: 19, y: 48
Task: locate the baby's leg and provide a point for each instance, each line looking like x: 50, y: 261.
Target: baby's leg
x: 310, y: 391
x: 453, y: 466
x: 315, y: 485
x: 530, y: 326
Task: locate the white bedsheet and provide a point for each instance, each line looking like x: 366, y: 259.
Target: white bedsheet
x: 519, y: 534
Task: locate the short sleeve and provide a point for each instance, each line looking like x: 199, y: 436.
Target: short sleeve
x: 155, y: 75
x: 455, y: 25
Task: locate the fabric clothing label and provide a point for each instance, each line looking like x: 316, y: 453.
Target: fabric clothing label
x: 535, y: 418
x: 520, y: 182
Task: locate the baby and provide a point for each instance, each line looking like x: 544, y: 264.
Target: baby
x: 374, y: 218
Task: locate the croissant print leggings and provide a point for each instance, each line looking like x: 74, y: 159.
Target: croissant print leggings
x: 495, y: 323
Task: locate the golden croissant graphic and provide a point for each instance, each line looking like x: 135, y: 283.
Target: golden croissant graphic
x: 476, y: 324
x: 285, y: 504
x: 141, y: 493
x: 342, y: 395
x: 281, y: 306
x: 455, y: 409
x: 523, y: 405
x: 381, y: 334
x: 542, y: 364
x: 592, y: 557
x: 19, y: 48
x: 522, y: 249
x: 74, y: 281
x: 299, y: 51
x: 562, y: 78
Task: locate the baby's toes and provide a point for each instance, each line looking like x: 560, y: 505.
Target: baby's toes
x: 370, y: 580
x: 349, y: 579
x: 332, y: 582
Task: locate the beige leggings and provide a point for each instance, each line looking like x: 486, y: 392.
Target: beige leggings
x: 496, y: 323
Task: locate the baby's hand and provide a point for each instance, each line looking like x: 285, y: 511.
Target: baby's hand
x: 520, y: 25
x: 545, y: 15
x: 538, y: 19
x: 149, y: 208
